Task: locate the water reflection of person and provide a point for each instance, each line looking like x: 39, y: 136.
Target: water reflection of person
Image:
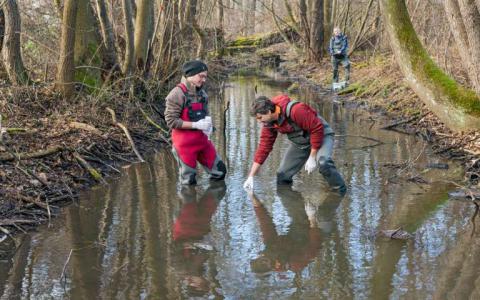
x: 189, y: 232
x: 296, y: 249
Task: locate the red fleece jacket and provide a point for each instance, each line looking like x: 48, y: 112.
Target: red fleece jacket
x: 302, y: 115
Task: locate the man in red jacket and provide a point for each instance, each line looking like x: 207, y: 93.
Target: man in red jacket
x: 310, y: 135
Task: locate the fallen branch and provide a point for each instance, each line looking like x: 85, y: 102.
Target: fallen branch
x: 388, y: 127
x: 156, y: 126
x: 38, y: 154
x: 14, y: 222
x: 127, y: 133
x: 93, y: 172
x: 86, y: 127
x: 359, y: 136
x: 33, y: 201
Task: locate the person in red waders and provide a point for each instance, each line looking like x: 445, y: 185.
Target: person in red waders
x: 186, y: 113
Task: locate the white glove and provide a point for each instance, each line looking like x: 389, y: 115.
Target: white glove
x: 208, y: 132
x: 203, y: 124
x: 248, y: 184
x: 311, y: 164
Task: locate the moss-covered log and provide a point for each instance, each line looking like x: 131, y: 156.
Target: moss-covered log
x: 456, y: 106
x: 263, y: 40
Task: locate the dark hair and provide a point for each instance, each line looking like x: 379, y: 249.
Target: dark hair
x: 261, y: 105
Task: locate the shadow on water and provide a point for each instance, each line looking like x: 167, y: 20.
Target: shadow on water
x: 144, y: 236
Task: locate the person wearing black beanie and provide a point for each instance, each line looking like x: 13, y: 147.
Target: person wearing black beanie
x: 193, y: 67
x: 186, y: 113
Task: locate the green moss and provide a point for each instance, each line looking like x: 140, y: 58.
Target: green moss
x: 356, y: 88
x: 239, y: 49
x: 246, y: 41
x: 90, y: 78
x: 425, y: 68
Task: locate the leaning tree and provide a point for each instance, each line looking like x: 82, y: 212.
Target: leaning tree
x: 456, y: 106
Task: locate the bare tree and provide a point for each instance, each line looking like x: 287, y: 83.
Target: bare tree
x: 316, y: 31
x: 110, y: 61
x: 456, y: 106
x: 464, y: 19
x: 66, y: 64
x: 11, y: 44
x: 129, y: 37
x: 143, y: 34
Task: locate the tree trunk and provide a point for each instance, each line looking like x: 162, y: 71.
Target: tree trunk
x: 304, y: 24
x: 143, y: 34
x: 327, y: 20
x: 87, y: 40
x: 333, y: 20
x: 316, y: 31
x: 249, y: 7
x: 221, y: 16
x: 110, y: 61
x: 169, y: 17
x: 87, y: 46
x: 469, y: 33
x: 2, y: 28
x: 66, y: 64
x: 457, y: 107
x: 11, y: 44
x: 190, y: 15
x: 127, y: 66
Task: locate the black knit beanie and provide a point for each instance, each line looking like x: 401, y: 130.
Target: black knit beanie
x: 193, y: 67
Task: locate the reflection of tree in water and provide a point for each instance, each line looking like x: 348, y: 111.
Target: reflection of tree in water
x: 460, y: 278
x: 193, y: 253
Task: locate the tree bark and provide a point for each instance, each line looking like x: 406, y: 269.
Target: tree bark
x: 457, y: 107
x: 143, y: 31
x: 304, y: 24
x: 190, y: 15
x: 110, y: 61
x: 66, y: 64
x: 127, y: 66
x: 316, y: 31
x: 220, y: 15
x: 327, y: 20
x: 471, y: 19
x: 12, y: 57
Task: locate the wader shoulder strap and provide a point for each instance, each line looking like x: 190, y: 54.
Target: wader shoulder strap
x: 289, y: 108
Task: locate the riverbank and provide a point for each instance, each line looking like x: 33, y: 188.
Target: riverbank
x: 377, y: 85
x: 52, y: 148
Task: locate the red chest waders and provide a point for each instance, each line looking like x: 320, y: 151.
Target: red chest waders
x: 192, y: 145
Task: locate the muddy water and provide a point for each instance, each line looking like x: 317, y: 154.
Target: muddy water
x: 143, y: 236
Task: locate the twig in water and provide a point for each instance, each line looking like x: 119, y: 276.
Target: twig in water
x: 63, y: 275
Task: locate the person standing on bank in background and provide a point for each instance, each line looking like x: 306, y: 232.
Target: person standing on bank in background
x: 186, y: 113
x: 310, y: 135
x: 338, y: 49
